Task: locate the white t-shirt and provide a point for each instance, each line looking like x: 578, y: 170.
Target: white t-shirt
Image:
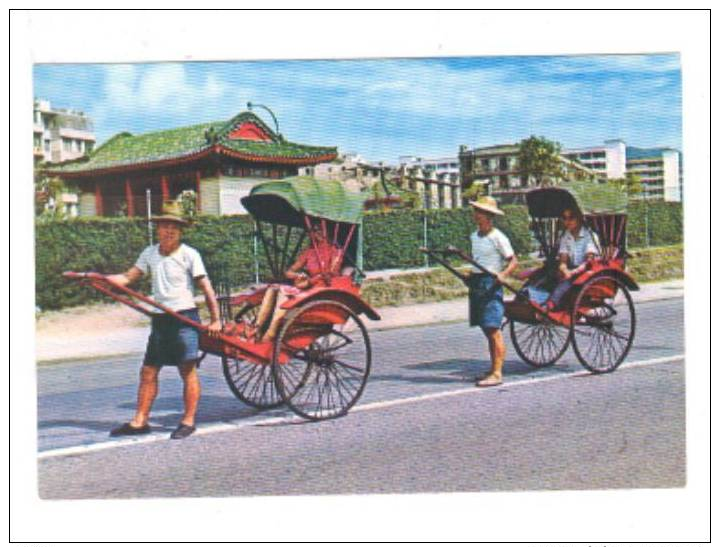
x: 492, y: 250
x: 172, y: 275
x: 578, y: 248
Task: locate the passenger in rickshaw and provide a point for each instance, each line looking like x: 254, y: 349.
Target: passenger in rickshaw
x: 318, y: 263
x: 577, y: 246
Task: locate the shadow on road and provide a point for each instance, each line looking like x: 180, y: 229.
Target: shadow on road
x: 450, y: 371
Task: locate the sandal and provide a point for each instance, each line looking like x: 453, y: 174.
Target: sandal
x: 489, y: 381
x: 128, y: 429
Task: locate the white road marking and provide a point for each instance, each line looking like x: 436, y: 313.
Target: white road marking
x: 233, y: 426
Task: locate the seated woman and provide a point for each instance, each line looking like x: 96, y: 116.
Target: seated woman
x: 577, y: 246
x: 319, y: 262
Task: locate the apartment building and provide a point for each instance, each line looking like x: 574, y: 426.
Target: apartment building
x: 659, y: 169
x: 445, y: 169
x: 498, y: 166
x: 606, y: 161
x: 60, y: 134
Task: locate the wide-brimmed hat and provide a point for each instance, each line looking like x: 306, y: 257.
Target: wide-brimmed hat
x: 171, y: 212
x: 487, y: 204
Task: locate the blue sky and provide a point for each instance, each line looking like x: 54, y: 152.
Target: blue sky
x: 383, y: 109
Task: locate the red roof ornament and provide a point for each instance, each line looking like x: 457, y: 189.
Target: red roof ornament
x: 249, y: 131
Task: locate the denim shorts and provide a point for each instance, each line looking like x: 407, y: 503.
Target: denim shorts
x: 486, y: 302
x: 171, y: 342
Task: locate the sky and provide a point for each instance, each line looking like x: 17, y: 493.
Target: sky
x: 386, y: 108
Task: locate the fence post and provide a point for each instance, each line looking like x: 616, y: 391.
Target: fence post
x: 425, y: 238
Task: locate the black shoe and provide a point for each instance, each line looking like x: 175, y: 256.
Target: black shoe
x: 127, y: 429
x: 182, y: 431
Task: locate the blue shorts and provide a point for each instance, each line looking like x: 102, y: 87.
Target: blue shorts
x: 486, y: 302
x: 171, y: 342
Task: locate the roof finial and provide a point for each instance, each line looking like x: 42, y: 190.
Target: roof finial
x: 250, y: 106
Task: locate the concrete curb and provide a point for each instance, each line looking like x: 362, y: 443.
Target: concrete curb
x: 131, y: 340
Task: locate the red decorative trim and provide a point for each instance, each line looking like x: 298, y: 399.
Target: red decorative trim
x: 276, y: 159
x: 249, y: 131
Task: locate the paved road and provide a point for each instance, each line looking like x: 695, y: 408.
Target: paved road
x: 420, y: 426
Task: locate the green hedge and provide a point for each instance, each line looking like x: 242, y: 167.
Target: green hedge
x: 654, y: 223
x: 112, y: 245
x: 391, y: 240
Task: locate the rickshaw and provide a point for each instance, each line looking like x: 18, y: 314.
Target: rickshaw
x: 597, y: 314
x: 319, y: 362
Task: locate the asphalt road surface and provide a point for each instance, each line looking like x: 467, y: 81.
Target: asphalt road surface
x: 420, y: 426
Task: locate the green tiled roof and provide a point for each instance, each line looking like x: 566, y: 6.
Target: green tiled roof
x: 124, y: 149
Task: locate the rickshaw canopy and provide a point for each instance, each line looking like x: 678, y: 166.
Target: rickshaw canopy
x: 587, y: 197
x: 287, y: 201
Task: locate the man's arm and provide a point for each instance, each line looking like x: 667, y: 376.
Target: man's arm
x: 215, y: 325
x: 504, y: 275
x: 127, y: 278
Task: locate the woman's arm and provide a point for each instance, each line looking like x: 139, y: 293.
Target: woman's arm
x: 563, y: 268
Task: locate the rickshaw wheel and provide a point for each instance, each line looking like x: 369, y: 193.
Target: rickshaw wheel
x: 252, y: 383
x: 540, y: 344
x: 603, y: 324
x: 326, y: 377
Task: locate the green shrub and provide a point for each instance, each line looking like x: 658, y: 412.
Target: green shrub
x: 654, y: 223
x: 391, y: 240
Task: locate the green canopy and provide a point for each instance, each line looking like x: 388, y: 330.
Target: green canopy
x: 588, y: 197
x: 286, y: 201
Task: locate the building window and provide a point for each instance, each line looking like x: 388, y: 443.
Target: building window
x: 47, y: 145
x: 67, y: 145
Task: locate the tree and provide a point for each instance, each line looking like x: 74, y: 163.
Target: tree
x: 47, y: 193
x: 631, y: 185
x: 539, y: 160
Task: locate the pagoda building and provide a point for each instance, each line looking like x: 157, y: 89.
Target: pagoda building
x: 220, y: 161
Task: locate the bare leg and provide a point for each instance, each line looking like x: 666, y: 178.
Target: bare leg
x: 191, y: 391
x: 497, y: 357
x: 266, y: 307
x: 147, y: 391
x: 277, y: 318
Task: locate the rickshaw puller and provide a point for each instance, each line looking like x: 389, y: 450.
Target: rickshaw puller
x: 174, y: 268
x: 492, y: 250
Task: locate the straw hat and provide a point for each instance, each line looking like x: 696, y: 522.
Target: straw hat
x: 171, y: 212
x: 487, y: 204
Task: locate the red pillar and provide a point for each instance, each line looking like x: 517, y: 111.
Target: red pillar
x: 129, y: 199
x: 98, y: 200
x: 197, y: 191
x: 164, y: 188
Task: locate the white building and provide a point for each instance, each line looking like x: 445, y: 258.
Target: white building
x: 606, y: 161
x: 60, y: 134
x: 659, y: 169
x: 445, y: 169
